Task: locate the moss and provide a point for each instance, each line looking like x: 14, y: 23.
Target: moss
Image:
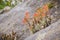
x: 50, y: 5
x: 5, y: 3
x: 2, y: 5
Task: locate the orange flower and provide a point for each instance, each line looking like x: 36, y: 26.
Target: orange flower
x: 43, y: 14
x: 38, y: 10
x: 24, y: 20
x: 36, y: 15
x: 45, y: 8
x: 27, y: 14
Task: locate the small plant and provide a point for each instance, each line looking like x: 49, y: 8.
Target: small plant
x: 40, y: 19
x: 50, y: 5
x: 4, y: 3
x: 11, y: 36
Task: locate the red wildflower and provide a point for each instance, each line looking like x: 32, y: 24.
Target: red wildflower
x: 43, y: 14
x: 45, y: 8
x: 36, y: 14
x: 24, y: 20
x: 27, y: 14
x: 38, y: 10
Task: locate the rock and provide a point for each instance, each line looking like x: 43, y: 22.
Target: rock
x: 13, y: 19
x: 6, y: 9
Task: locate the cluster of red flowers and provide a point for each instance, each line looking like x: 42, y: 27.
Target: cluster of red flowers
x: 39, y: 12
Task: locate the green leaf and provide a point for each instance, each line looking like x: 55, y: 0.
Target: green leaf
x: 2, y: 6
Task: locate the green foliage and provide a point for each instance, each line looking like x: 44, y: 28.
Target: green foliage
x: 6, y: 3
x: 50, y: 5
x: 2, y: 4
